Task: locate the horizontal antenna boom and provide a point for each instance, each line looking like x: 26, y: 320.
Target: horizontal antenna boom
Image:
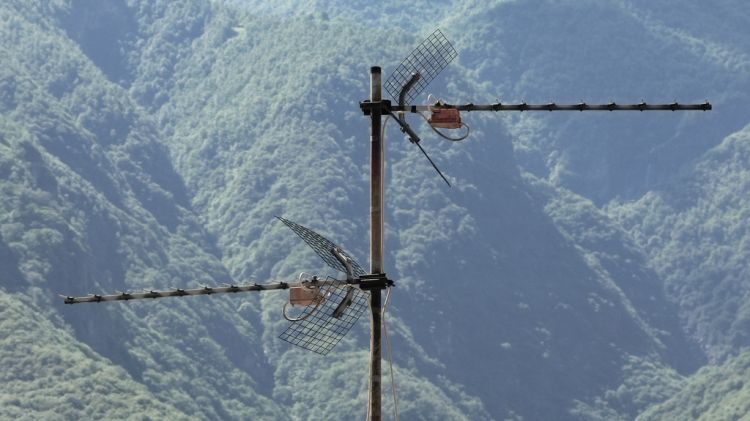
x: 582, y: 106
x: 177, y: 292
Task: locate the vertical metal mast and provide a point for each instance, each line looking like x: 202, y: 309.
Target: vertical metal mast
x: 376, y: 241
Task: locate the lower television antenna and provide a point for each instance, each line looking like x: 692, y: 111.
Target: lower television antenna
x: 329, y: 307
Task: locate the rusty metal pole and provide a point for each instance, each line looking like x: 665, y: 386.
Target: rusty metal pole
x: 376, y: 242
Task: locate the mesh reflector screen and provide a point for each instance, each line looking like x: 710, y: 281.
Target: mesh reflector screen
x: 323, y: 247
x: 320, y: 331
x: 428, y: 59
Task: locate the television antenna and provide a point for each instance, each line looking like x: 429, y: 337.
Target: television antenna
x: 330, y: 306
x: 408, y: 80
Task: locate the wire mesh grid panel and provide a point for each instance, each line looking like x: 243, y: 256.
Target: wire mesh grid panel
x: 428, y: 59
x: 319, y: 331
x: 323, y: 247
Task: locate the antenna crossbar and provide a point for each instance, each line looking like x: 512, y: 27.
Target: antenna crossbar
x: 581, y: 106
x: 206, y: 290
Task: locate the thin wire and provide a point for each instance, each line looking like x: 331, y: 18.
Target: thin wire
x: 389, y: 351
x: 367, y: 409
x: 303, y: 316
x: 382, y: 129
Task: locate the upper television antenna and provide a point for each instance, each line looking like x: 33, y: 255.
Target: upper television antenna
x: 405, y: 84
x: 330, y: 307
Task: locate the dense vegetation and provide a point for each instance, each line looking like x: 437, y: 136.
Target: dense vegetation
x: 583, y: 266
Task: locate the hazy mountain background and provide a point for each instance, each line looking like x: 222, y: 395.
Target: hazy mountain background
x: 585, y: 266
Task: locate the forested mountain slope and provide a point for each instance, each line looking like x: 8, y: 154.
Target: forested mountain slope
x: 150, y: 143
x: 713, y: 393
x: 90, y: 204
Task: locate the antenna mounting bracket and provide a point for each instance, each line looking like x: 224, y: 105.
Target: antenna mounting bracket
x: 374, y: 281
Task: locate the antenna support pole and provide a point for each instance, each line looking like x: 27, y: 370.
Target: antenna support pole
x: 376, y: 241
